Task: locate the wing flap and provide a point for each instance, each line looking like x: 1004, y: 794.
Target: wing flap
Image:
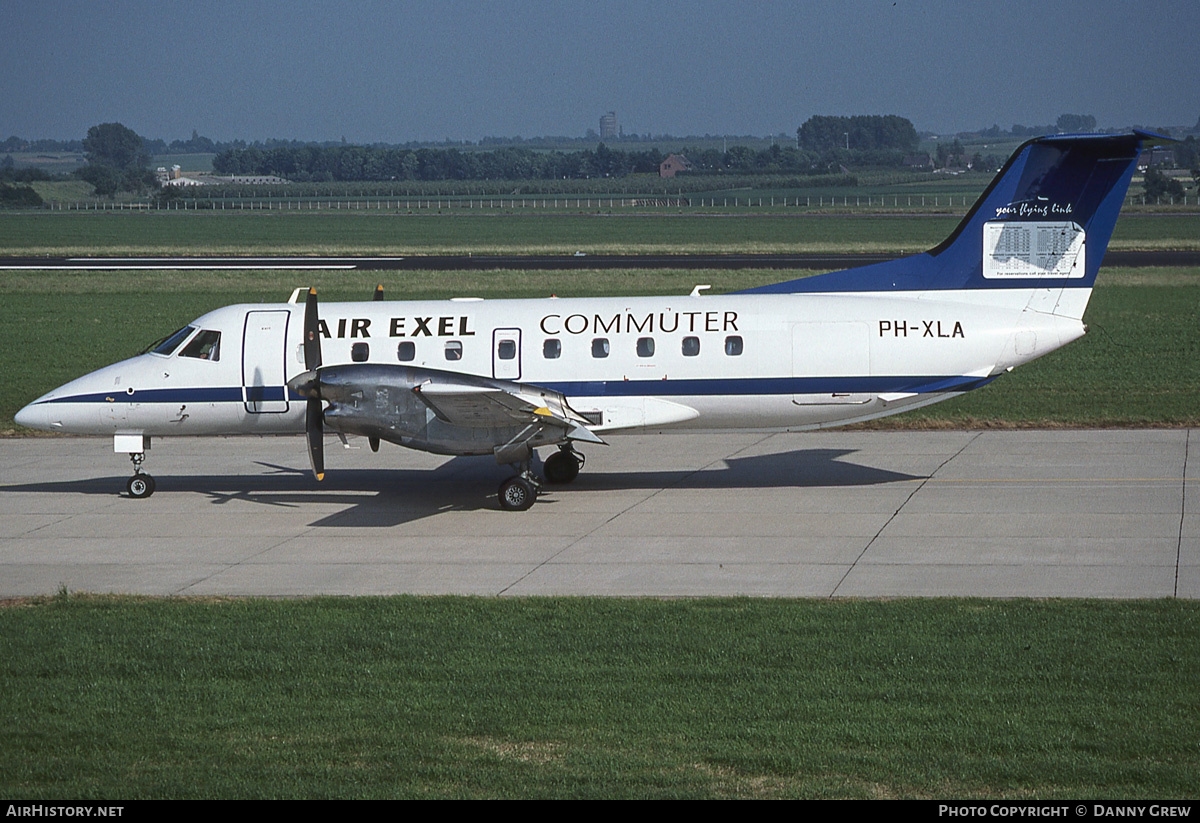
x: 491, y: 407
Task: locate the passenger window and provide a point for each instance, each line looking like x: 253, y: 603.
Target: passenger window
x: 204, y: 346
x: 406, y: 351
x: 691, y: 346
x: 600, y: 347
x: 453, y: 350
x: 733, y: 345
x: 359, y: 352
x: 507, y: 350
x: 552, y: 349
x: 645, y: 347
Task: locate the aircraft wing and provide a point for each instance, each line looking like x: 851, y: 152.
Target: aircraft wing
x: 473, y: 406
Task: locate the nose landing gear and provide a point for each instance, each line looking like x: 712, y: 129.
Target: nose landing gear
x: 141, y: 485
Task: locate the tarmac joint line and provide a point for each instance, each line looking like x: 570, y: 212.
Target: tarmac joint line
x: 919, y: 485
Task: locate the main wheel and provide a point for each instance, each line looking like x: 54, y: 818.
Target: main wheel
x: 517, y: 494
x: 561, y: 467
x: 140, y: 486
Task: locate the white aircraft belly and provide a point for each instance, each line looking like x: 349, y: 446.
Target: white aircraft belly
x: 634, y: 412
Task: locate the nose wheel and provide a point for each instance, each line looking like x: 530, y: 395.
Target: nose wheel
x: 141, y: 485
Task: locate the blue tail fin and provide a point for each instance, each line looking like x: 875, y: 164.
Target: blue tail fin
x: 1044, y: 222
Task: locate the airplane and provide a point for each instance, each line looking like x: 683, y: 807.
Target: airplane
x: 467, y: 376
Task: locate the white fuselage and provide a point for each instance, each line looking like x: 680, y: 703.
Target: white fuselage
x: 745, y: 361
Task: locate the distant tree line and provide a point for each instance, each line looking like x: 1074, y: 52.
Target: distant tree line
x: 19, y: 197
x: 15, y: 191
x: 351, y: 163
x: 9, y: 173
x: 862, y: 140
x: 874, y: 141
x: 1187, y: 155
x: 863, y: 133
x: 1065, y: 124
x: 19, y: 144
x: 117, y: 160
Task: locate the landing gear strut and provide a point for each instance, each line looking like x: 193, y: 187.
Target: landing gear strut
x: 141, y: 485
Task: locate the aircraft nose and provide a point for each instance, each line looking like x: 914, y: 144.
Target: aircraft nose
x: 33, y: 416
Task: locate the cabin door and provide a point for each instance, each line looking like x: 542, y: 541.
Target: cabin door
x: 264, y: 354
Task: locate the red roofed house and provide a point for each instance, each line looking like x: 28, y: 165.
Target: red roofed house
x: 673, y: 164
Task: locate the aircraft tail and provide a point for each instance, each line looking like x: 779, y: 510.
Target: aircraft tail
x: 1043, y: 224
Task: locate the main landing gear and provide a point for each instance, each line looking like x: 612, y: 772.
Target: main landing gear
x: 517, y: 494
x: 141, y: 485
x: 563, y: 466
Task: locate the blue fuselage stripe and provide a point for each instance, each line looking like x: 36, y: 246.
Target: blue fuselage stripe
x: 219, y: 394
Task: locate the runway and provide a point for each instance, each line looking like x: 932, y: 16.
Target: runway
x: 1110, y: 514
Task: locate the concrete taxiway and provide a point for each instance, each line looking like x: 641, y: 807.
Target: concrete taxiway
x: 826, y: 514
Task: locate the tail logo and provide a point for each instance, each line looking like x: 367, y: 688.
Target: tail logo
x: 1033, y: 250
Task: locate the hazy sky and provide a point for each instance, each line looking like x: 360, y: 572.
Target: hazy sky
x: 464, y: 69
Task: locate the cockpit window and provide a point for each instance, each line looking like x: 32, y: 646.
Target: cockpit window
x: 204, y: 346
x: 169, y: 344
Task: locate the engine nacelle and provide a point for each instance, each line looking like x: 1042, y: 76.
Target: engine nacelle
x: 386, y: 401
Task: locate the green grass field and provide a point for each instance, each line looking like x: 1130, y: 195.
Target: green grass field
x: 158, y: 233
x: 405, y: 697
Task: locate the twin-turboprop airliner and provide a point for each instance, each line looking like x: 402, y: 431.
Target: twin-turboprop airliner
x: 507, y: 377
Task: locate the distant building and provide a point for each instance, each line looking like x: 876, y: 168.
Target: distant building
x: 674, y: 164
x: 249, y: 179
x: 175, y: 177
x: 918, y: 161
x: 1156, y: 156
x: 609, y: 128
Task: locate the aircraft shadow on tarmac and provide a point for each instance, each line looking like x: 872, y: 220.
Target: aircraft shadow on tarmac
x: 390, y: 497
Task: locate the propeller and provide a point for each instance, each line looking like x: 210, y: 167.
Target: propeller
x: 314, y: 416
x: 312, y: 336
x: 374, y: 441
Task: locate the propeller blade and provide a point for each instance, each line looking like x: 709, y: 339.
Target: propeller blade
x: 378, y: 292
x: 312, y: 333
x: 314, y: 414
x: 314, y: 429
